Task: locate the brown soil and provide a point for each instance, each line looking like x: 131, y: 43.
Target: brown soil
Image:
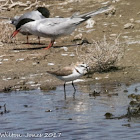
x: 23, y: 66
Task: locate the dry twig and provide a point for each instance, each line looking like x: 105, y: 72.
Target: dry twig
x: 9, y: 4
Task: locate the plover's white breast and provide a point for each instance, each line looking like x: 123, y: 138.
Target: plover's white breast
x: 75, y: 75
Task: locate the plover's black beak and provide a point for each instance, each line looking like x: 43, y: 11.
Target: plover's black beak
x: 87, y: 68
x: 14, y: 33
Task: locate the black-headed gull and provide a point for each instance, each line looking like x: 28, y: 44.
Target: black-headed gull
x: 39, y: 13
x: 55, y: 27
x: 70, y: 73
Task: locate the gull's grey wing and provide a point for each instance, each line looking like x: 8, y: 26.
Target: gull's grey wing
x: 55, y: 27
x: 35, y: 15
x: 52, y: 21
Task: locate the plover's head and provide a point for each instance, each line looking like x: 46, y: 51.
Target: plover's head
x: 44, y: 11
x: 20, y: 25
x: 82, y: 68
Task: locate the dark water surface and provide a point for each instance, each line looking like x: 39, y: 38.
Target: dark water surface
x: 46, y: 115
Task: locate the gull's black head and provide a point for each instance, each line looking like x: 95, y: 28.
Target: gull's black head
x: 22, y: 22
x: 44, y: 11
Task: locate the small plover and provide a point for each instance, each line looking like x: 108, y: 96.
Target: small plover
x: 70, y: 73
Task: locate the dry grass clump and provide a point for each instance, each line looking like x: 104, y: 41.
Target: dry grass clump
x: 9, y: 4
x: 101, y: 55
x: 5, y: 33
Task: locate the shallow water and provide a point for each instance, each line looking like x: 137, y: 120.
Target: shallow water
x: 48, y: 116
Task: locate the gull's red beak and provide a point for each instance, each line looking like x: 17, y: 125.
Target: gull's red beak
x: 14, y: 33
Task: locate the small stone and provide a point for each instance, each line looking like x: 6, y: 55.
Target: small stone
x: 111, y: 12
x: 85, y: 41
x: 7, y: 89
x: 125, y: 90
x: 48, y: 110
x: 1, y: 112
x: 136, y: 89
x: 132, y: 20
x: 25, y: 105
x: 128, y: 125
x: 133, y: 103
x: 94, y: 93
x: 138, y: 97
x: 70, y: 119
x: 115, y: 94
x: 47, y: 87
x: 132, y: 96
x: 24, y: 87
x: 106, y: 91
x: 78, y: 37
x: 108, y: 115
x: 90, y: 23
x: 129, y: 26
x: 119, y: 84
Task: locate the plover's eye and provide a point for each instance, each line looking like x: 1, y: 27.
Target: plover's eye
x: 82, y: 66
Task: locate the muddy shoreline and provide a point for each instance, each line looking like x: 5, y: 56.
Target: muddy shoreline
x: 23, y: 66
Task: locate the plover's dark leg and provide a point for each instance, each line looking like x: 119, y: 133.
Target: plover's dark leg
x: 73, y: 86
x: 74, y: 90
x: 65, y: 90
x: 5, y: 111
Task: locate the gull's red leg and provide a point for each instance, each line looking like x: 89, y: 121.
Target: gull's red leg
x: 51, y: 44
x: 27, y: 39
x: 38, y: 39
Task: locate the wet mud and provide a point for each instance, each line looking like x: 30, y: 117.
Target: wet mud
x: 23, y: 66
